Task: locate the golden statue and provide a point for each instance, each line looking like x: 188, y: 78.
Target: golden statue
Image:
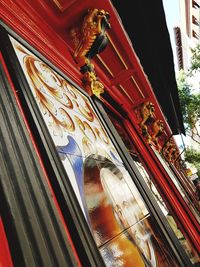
x: 93, y: 37
x: 91, y: 84
x: 158, y: 129
x: 89, y: 41
x: 147, y: 114
x: 170, y: 150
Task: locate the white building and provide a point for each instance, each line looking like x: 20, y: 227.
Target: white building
x: 187, y: 35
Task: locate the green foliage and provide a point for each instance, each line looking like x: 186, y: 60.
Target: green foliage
x: 193, y: 156
x: 195, y: 60
x: 190, y: 103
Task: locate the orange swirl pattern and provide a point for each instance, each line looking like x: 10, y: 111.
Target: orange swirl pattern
x: 102, y: 135
x: 40, y: 74
x: 48, y: 86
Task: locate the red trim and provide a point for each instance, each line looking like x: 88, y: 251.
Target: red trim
x: 51, y: 38
x: 5, y: 257
x: 187, y: 186
x: 40, y: 160
x: 21, y: 16
x: 187, y: 222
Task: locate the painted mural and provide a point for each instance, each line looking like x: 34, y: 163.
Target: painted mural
x: 113, y: 208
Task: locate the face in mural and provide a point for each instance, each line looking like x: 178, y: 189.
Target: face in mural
x: 111, y: 203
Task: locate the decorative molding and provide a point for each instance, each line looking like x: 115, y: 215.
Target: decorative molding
x: 105, y: 65
x: 62, y: 5
x: 136, y: 84
x: 147, y: 113
x: 91, y: 84
x: 90, y: 40
x: 151, y: 127
x: 125, y: 92
x: 157, y: 130
x: 170, y: 151
x: 117, y: 52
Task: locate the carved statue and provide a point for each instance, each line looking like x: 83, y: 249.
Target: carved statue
x: 147, y: 114
x: 89, y: 41
x: 170, y: 150
x: 158, y: 129
x: 93, y: 39
x: 91, y: 84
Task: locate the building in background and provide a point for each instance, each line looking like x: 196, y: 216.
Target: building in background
x: 187, y: 35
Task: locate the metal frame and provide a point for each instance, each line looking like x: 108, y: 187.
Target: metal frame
x: 65, y: 196
x: 74, y: 219
x: 150, y: 201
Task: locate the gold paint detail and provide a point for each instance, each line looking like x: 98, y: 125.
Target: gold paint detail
x: 93, y: 31
x: 58, y: 4
x: 134, y: 81
x: 147, y: 113
x: 170, y: 151
x: 117, y: 52
x: 125, y: 92
x: 84, y: 128
x: 90, y: 29
x: 105, y: 65
x: 157, y: 130
x: 102, y: 135
x: 56, y: 87
x: 91, y: 84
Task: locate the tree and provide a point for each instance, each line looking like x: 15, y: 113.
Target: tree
x: 193, y: 156
x: 190, y: 105
x: 195, y: 60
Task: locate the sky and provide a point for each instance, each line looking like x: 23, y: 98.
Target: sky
x: 171, y: 8
x: 172, y: 15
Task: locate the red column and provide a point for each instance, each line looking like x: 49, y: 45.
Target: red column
x: 183, y: 215
x: 5, y: 257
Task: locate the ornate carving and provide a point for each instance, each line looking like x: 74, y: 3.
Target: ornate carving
x: 157, y: 129
x: 175, y: 156
x: 89, y: 41
x: 170, y: 151
x: 147, y: 114
x: 91, y: 84
x: 92, y: 38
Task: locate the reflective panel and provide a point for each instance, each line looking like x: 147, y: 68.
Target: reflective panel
x: 112, y: 205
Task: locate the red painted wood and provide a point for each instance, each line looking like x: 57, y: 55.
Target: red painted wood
x: 40, y: 160
x: 46, y: 28
x: 174, y: 201
x: 33, y: 28
x: 187, y: 187
x: 5, y: 257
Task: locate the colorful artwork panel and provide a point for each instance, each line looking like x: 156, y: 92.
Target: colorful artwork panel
x: 145, y: 247
x: 121, y: 251
x: 82, y: 142
x: 111, y: 203
x: 108, y: 198
x: 65, y: 109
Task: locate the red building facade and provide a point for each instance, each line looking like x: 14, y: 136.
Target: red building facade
x: 91, y: 175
